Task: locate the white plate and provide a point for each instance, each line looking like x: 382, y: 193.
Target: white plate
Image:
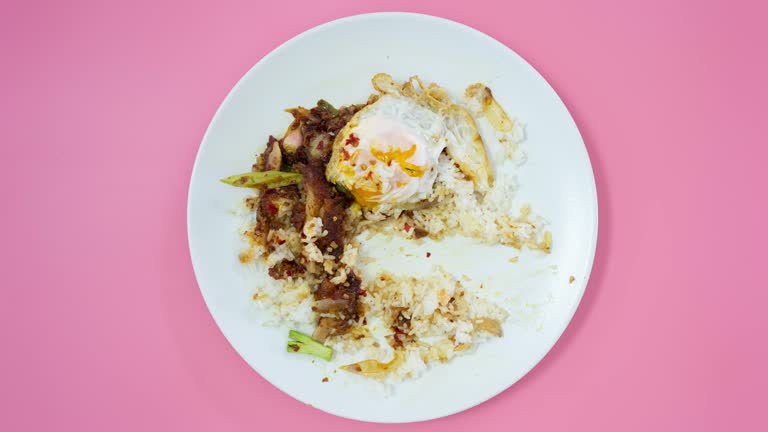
x: 335, y: 61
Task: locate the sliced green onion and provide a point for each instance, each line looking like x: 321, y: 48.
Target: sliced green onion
x: 341, y: 188
x: 270, y: 179
x: 304, y: 344
x: 322, y: 103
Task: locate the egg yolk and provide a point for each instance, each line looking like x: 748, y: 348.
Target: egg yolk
x: 383, y: 160
x: 365, y: 196
x: 401, y: 158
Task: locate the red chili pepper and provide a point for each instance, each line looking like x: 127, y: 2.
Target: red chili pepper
x: 345, y: 153
x: 353, y: 140
x: 320, y: 145
x: 280, y: 241
x: 370, y: 174
x: 407, y: 227
x: 361, y: 292
x: 429, y: 254
x: 271, y: 209
x: 295, y: 348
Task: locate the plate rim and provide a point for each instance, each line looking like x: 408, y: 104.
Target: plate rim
x: 395, y: 15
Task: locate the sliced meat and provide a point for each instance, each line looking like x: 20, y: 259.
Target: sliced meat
x: 293, y: 138
x: 330, y: 305
x: 329, y: 326
x: 291, y: 159
x: 277, y: 205
x: 325, y: 202
x: 298, y: 217
x: 316, y: 188
x: 292, y: 146
x: 318, y: 128
x: 275, y: 158
x: 340, y: 301
x: 285, y: 269
x: 335, y: 124
x: 348, y: 290
x: 271, y: 158
x: 276, y: 210
x: 319, y: 147
x: 333, y: 214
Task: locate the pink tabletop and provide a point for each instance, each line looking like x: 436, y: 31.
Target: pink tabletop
x: 104, y: 106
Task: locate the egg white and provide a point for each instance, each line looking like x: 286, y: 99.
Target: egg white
x: 387, y: 154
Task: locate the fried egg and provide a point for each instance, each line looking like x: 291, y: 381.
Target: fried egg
x: 387, y: 154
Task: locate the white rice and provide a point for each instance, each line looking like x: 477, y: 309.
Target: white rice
x: 446, y: 317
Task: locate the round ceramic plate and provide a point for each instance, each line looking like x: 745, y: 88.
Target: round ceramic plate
x: 336, y: 61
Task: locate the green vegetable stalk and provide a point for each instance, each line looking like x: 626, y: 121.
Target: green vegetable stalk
x: 302, y: 343
x: 342, y: 189
x: 322, y: 103
x: 270, y: 179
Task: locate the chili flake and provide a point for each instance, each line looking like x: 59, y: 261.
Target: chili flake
x: 407, y: 227
x: 353, y: 140
x: 271, y: 209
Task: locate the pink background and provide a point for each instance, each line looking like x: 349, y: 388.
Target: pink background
x: 102, y: 111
